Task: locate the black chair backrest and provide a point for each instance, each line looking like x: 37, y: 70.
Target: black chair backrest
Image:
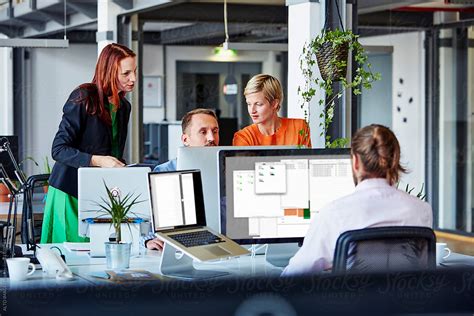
x: 383, y: 249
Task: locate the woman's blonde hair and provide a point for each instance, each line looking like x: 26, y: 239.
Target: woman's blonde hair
x: 379, y: 152
x: 269, y: 85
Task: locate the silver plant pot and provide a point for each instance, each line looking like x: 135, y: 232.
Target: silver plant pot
x: 118, y: 255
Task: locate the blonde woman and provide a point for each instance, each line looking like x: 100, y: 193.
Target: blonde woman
x: 264, y: 96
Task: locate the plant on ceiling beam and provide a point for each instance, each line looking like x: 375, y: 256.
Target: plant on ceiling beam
x: 330, y: 50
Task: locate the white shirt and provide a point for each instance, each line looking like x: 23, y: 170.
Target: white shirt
x: 374, y: 203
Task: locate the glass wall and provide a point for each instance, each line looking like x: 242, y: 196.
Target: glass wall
x: 376, y: 104
x: 453, y: 131
x: 216, y: 85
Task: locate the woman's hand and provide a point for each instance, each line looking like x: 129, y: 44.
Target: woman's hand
x: 154, y: 244
x: 106, y: 162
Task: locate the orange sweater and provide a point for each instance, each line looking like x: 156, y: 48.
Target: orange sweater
x: 287, y: 134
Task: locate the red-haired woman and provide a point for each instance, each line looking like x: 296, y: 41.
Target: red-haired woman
x: 92, y: 132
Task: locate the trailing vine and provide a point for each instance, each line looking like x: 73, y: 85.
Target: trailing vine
x: 330, y: 43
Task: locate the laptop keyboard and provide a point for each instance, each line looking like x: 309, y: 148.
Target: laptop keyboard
x: 198, y: 238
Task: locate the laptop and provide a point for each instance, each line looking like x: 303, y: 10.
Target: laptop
x: 91, y: 190
x: 179, y: 218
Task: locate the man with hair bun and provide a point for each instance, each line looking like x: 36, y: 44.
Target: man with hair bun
x: 375, y: 202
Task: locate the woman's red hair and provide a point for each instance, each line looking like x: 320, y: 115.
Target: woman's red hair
x: 105, y: 81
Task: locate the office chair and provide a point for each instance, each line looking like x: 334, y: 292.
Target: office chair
x: 31, y: 231
x: 384, y: 249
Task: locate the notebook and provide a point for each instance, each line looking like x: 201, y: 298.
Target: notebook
x: 178, y: 217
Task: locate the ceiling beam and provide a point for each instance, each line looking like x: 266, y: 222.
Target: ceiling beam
x: 396, y: 19
x: 34, y: 24
x: 368, y: 6
x: 89, y: 10
x: 58, y: 18
x: 200, y: 31
x: 214, y: 12
x: 124, y: 4
x: 11, y: 31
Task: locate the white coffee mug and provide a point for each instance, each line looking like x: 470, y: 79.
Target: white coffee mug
x: 18, y: 268
x: 442, y: 252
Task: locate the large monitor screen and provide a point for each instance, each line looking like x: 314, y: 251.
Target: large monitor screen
x: 5, y: 159
x: 271, y: 196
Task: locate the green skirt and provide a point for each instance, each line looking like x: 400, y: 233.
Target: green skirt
x: 60, y: 220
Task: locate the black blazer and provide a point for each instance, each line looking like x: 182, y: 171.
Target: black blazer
x: 80, y: 136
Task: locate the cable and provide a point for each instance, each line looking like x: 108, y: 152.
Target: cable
x: 65, y: 19
x: 339, y: 14
x: 225, y: 22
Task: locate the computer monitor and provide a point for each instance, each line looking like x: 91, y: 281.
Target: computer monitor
x: 5, y: 159
x: 206, y: 160
x: 271, y: 196
x: 121, y: 181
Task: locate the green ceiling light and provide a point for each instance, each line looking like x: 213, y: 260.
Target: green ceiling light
x: 222, y: 52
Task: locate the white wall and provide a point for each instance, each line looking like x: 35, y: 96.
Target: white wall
x: 54, y: 74
x: 408, y: 64
x: 305, y: 21
x: 6, y: 95
x: 153, y: 65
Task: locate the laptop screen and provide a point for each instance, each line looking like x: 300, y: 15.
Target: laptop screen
x: 176, y: 199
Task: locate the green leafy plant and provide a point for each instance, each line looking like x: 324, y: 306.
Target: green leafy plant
x: 46, y: 165
x: 28, y: 158
x: 118, y: 209
x: 334, y: 71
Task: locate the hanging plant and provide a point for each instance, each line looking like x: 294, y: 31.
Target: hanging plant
x: 330, y: 50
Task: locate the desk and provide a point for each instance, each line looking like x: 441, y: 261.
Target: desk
x: 257, y: 290
x: 458, y: 260
x: 83, y: 266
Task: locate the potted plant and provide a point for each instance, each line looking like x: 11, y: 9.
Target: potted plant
x: 117, y: 208
x: 47, y: 170
x: 330, y: 50
x: 4, y: 192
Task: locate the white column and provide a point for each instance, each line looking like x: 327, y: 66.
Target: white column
x: 135, y: 120
x: 107, y: 12
x: 305, y: 21
x: 6, y: 91
x: 447, y: 126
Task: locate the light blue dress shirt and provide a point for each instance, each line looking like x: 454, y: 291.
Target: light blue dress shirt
x: 166, y: 166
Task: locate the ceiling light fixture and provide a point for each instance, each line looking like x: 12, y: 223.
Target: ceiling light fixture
x: 38, y: 42
x: 222, y: 52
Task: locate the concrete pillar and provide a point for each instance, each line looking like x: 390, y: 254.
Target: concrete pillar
x: 107, y: 12
x: 447, y: 124
x: 305, y: 21
x: 136, y: 118
x: 6, y: 90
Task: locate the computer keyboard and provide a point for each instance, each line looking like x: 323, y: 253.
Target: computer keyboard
x: 198, y: 238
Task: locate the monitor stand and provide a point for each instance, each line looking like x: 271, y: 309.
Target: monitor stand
x: 175, y: 263
x: 279, y: 255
